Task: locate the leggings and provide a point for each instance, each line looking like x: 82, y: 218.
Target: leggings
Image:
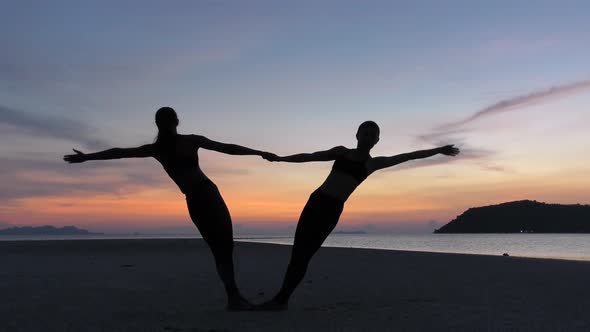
x: 318, y: 218
x: 211, y: 216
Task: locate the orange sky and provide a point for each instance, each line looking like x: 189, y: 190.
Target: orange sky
x: 511, y: 91
x: 272, y: 195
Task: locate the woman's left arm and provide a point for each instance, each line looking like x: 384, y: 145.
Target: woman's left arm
x: 233, y: 149
x: 384, y: 162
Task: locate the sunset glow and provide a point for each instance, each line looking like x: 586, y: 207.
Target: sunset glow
x: 511, y: 91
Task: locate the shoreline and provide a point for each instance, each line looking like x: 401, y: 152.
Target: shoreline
x: 568, y: 259
x: 263, y: 240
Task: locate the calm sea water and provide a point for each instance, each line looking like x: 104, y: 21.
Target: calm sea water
x: 563, y: 246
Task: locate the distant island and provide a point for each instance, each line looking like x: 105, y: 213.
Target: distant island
x: 45, y: 230
x: 522, y: 217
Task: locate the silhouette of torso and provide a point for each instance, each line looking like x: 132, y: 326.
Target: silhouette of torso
x: 182, y: 163
x: 348, y: 171
x: 354, y: 168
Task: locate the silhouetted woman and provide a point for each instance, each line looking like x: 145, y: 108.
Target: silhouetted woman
x: 178, y: 155
x: 322, y: 211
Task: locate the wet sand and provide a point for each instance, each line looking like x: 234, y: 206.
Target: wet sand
x: 171, y: 285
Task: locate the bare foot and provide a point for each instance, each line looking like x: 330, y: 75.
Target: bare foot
x: 239, y: 304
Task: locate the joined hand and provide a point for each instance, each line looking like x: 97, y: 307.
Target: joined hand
x: 270, y: 156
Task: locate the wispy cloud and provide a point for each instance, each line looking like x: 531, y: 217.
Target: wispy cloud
x: 441, y: 137
x: 471, y: 154
x: 50, y: 127
x: 517, y: 103
x: 50, y: 176
x: 25, y: 177
x: 450, y: 133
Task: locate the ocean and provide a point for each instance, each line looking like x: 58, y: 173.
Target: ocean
x: 560, y: 246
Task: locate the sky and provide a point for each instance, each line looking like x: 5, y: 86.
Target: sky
x: 508, y: 82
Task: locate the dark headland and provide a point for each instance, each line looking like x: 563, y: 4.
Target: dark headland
x: 522, y: 217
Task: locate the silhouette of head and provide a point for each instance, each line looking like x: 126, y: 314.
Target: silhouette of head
x: 166, y: 119
x: 367, y: 135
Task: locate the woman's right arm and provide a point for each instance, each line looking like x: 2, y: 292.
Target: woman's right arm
x: 143, y: 151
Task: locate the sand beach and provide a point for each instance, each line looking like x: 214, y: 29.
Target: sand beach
x: 171, y: 285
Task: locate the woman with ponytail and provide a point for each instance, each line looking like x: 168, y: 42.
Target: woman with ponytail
x: 177, y: 154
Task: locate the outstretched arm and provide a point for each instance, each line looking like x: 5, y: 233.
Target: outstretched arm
x: 326, y: 155
x: 114, y: 153
x: 384, y: 162
x: 227, y: 148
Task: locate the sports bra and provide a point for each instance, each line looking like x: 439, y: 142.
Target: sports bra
x: 178, y: 164
x: 356, y: 169
x: 175, y: 164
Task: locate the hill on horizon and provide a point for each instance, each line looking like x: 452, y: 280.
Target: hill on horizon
x: 524, y: 216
